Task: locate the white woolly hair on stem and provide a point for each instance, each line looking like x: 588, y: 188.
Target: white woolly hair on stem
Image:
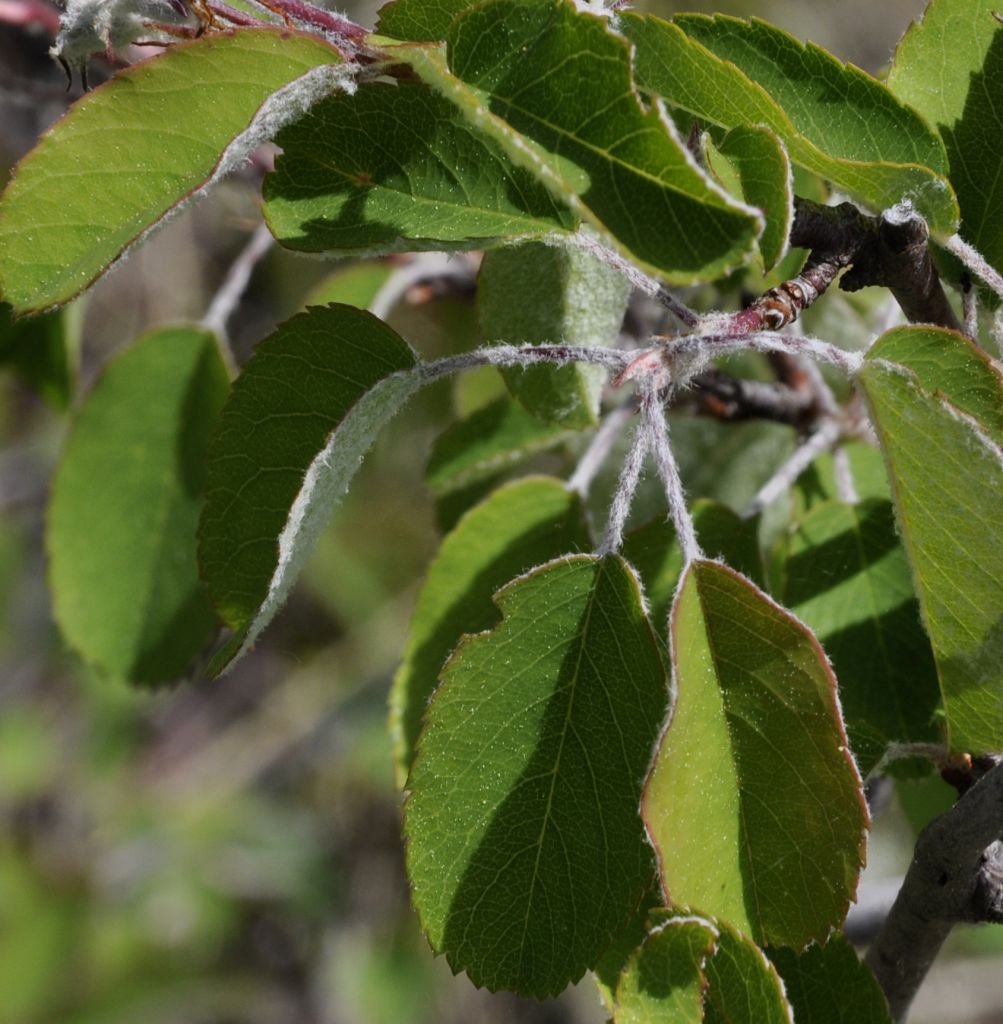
x: 653, y: 413
x: 792, y: 467
x: 228, y: 297
x: 525, y: 355
x: 623, y: 496
x: 713, y: 345
x: 975, y: 262
x: 846, y: 486
x: 970, y: 311
x: 596, y: 454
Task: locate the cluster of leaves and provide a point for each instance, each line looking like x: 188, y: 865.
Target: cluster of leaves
x: 536, y: 679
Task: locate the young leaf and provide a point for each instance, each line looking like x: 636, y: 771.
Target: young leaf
x: 830, y: 985
x: 39, y: 351
x: 664, y: 980
x: 764, y: 180
x: 949, y: 66
x: 654, y: 553
x: 525, y: 849
x: 394, y: 167
x: 302, y: 414
x: 486, y: 443
x: 125, y: 504
x: 834, y: 119
x: 565, y: 296
x: 847, y: 578
x: 754, y: 804
x: 606, y: 167
x: 947, y: 481
x: 135, y: 149
x: 519, y: 526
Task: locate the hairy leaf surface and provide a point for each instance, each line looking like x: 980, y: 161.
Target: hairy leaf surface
x: 848, y: 579
x: 128, y: 153
x: 947, y: 482
x: 525, y: 849
x: 949, y: 66
x: 302, y: 414
x: 754, y: 804
x: 539, y: 293
x: 419, y: 20
x: 519, y: 526
x: 395, y: 167
x: 835, y: 120
x: 125, y: 504
x: 830, y: 985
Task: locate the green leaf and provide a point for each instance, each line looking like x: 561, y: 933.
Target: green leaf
x: 947, y: 482
x: 565, y: 296
x: 654, y: 553
x: 419, y: 20
x: 763, y: 173
x: 39, y: 351
x: 835, y: 120
x: 125, y: 504
x: 742, y: 985
x: 847, y: 579
x: 947, y: 364
x: 533, y: 74
x: 754, y: 804
x: 524, y: 846
x: 949, y: 66
x: 394, y: 167
x: 131, y: 151
x: 356, y: 285
x: 664, y: 980
x: 486, y: 443
x: 830, y: 985
x: 519, y: 526
x: 301, y: 416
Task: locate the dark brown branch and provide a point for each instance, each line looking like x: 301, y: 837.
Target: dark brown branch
x: 726, y: 397
x: 956, y: 876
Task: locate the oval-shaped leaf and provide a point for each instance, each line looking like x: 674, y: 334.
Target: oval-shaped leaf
x: 519, y: 526
x: 847, y: 578
x: 835, y: 120
x: 302, y: 414
x: 125, y: 504
x: 949, y: 66
x: 395, y: 167
x: 947, y: 482
x: 754, y: 804
x: 419, y: 20
x: 565, y: 296
x: 664, y: 980
x: 132, y: 150
x: 830, y: 985
x: 533, y: 75
x: 525, y: 848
